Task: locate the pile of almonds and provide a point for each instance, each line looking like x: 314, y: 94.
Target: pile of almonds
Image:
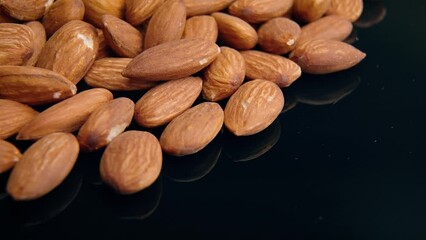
x: 170, y: 50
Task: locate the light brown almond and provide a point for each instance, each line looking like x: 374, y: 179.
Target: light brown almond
x: 9, y: 156
x: 331, y: 27
x: 350, y: 9
x: 192, y: 130
x: 259, y: 11
x: 39, y: 41
x: 16, y: 44
x: 204, y: 27
x: 201, y: 7
x: 137, y: 11
x: 279, y: 35
x: 163, y: 103
x: 62, y: 12
x: 131, y: 162
x: 310, y: 10
x: 25, y: 10
x: 13, y: 116
x: 43, y: 167
x: 254, y: 107
x: 224, y: 76
x: 95, y: 9
x: 66, y: 116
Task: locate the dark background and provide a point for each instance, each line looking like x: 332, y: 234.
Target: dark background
x: 345, y: 161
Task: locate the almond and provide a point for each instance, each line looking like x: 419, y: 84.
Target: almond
x: 279, y: 35
x: 200, y: 7
x: 235, y: 32
x: 254, y: 107
x: 172, y: 60
x: 204, y: 27
x: 166, y: 24
x: 25, y: 10
x: 62, y: 12
x: 350, y: 9
x: 39, y: 41
x: 224, y: 76
x: 66, y: 116
x: 275, y: 68
x: 259, y: 11
x: 165, y: 102
x: 192, y: 130
x: 4, y: 18
x: 106, y: 123
x: 326, y: 56
x: 95, y: 9
x: 137, y: 11
x: 13, y: 116
x: 16, y: 44
x: 310, y: 10
x: 9, y: 156
x: 331, y: 27
x: 103, y: 51
x: 71, y: 50
x: 34, y: 86
x: 131, y: 162
x: 106, y: 73
x: 43, y: 166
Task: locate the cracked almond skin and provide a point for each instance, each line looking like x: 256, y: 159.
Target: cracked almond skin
x: 95, y: 9
x: 310, y: 10
x: 43, y: 166
x: 204, y: 27
x: 193, y: 130
x: 331, y: 27
x: 201, y: 7
x: 259, y: 11
x: 350, y: 9
x: 66, y: 116
x: 9, y: 156
x: 279, y: 35
x: 34, y: 86
x: 137, y: 11
x: 271, y: 67
x: 13, y: 116
x: 106, y: 123
x: 16, y: 44
x: 254, y: 107
x: 25, y: 10
x: 131, y: 162
x: 326, y: 56
x: 224, y: 76
x: 39, y: 41
x: 172, y: 60
x: 62, y: 12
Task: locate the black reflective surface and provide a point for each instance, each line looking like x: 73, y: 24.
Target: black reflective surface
x: 345, y: 160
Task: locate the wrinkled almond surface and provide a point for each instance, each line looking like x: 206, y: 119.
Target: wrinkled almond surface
x: 61, y: 12
x: 95, y: 9
x: 259, y: 11
x: 39, y: 41
x: 200, y: 7
x: 25, y: 10
x: 350, y: 9
x: 13, y: 116
x: 310, y: 10
x: 331, y: 27
x: 16, y: 44
x: 204, y: 27
x: 137, y: 11
x: 9, y: 156
x: 279, y: 35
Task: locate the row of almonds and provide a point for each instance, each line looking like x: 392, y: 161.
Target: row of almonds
x: 170, y: 49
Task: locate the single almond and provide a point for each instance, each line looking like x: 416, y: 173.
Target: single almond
x: 224, y: 76
x: 39, y: 41
x: 34, y: 86
x: 274, y: 68
x: 163, y: 103
x: 25, y: 10
x: 62, y: 12
x: 279, y: 35
x: 350, y: 9
x: 9, y: 156
x: 310, y: 10
x: 16, y: 44
x: 259, y: 11
x: 331, y: 27
x: 43, y: 166
x: 172, y: 60
x: 13, y: 116
x: 137, y: 11
x: 193, y: 130
x: 95, y: 9
x: 254, y: 107
x: 66, y: 116
x: 131, y: 162
x: 201, y: 7
x: 204, y: 27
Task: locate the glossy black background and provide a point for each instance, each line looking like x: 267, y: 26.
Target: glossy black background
x: 345, y: 161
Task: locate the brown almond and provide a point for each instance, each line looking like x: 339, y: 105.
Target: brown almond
x: 204, y: 27
x: 254, y: 107
x: 201, y: 7
x: 192, y: 130
x: 16, y: 44
x: 4, y: 18
x: 224, y: 76
x: 39, y: 41
x: 137, y: 11
x: 163, y: 103
x: 62, y: 12
x: 326, y: 56
x: 131, y: 162
x: 331, y: 27
x: 103, y: 51
x: 34, y: 86
x: 106, y: 123
x: 172, y: 60
x: 43, y: 166
x: 13, y: 116
x: 349, y: 9
x: 25, y: 10
x: 259, y: 11
x: 274, y: 68
x: 235, y: 32
x: 9, y: 156
x: 66, y: 116
x: 71, y: 50
x: 95, y: 9
x: 310, y: 10
x: 279, y: 35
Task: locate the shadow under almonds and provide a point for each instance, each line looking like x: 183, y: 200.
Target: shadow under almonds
x: 195, y: 166
x: 241, y: 149
x: 374, y: 12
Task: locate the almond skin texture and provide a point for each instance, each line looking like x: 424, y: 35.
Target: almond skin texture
x: 43, y: 166
x: 66, y: 116
x: 192, y: 130
x: 163, y: 103
x: 274, y: 68
x: 200, y: 7
x: 106, y: 123
x: 13, y: 116
x: 254, y: 107
x: 122, y: 37
x: 62, y: 12
x: 172, y: 60
x: 326, y: 56
x: 25, y: 10
x: 310, y: 10
x: 106, y: 73
x: 204, y: 27
x: 279, y: 35
x: 9, y: 156
x: 235, y: 32
x: 16, y: 44
x: 103, y: 51
x: 137, y: 11
x: 131, y: 162
x: 166, y: 24
x: 331, y: 27
x: 74, y: 44
x: 95, y: 9
x: 224, y: 76
x: 259, y: 11
x: 34, y: 86
x: 350, y: 9
x: 39, y: 41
